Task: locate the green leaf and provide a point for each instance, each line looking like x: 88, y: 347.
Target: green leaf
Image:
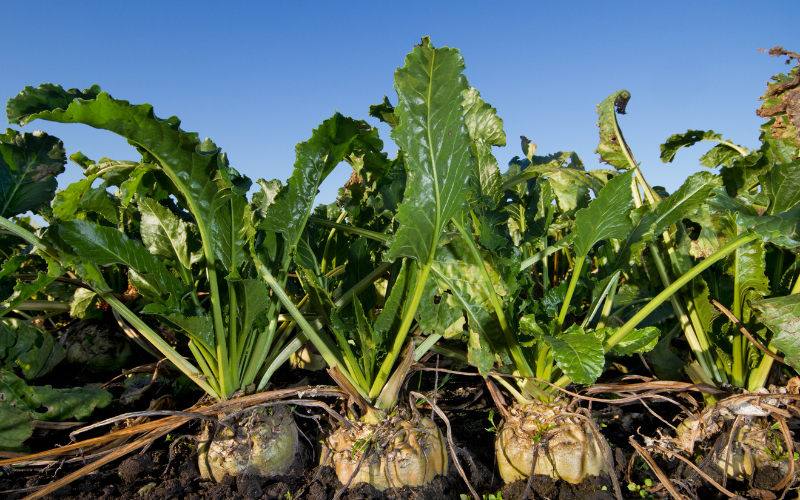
x: 99, y: 201
x: 104, y: 246
x: 66, y: 202
x: 749, y: 263
x: 391, y: 315
x: 84, y: 304
x: 782, y: 230
x: 334, y: 140
x: 132, y: 184
x: 782, y: 316
x: 15, y: 427
x: 637, y: 341
x: 580, y: 356
x: 48, y: 96
x: 611, y: 145
x: 25, y: 290
x: 359, y: 265
x: 28, y: 348
x: 666, y: 364
x: 58, y: 404
x: 163, y: 233
x: 684, y: 202
x: 606, y: 216
x: 435, y: 145
x: 253, y: 298
x: 721, y: 155
x: 781, y: 184
x: 198, y: 328
x: 384, y: 112
x: 29, y: 164
x: 231, y: 230
x: 485, y: 130
x: 191, y: 165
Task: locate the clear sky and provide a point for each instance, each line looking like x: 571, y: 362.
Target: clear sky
x: 256, y: 77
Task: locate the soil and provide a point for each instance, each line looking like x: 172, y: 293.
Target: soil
x: 151, y: 475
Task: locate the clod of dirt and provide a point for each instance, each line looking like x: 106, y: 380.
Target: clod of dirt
x: 591, y: 488
x: 136, y: 467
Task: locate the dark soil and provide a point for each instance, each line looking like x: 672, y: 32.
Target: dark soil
x: 151, y: 475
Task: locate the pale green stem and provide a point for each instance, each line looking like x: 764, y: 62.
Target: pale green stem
x: 402, y: 333
x: 311, y: 333
x: 758, y: 377
x: 281, y: 354
x: 511, y: 340
x: 205, y: 367
x: 720, y: 254
x: 373, y: 235
x: 796, y: 287
x: 211, y: 272
x: 158, y: 342
x: 155, y: 339
x: 324, y: 263
x: 693, y: 330
x: 607, y: 305
x: 233, y: 336
x: 632, y: 323
x: 514, y: 392
x: 42, y: 305
x: 573, y: 282
x: 543, y: 254
x: 739, y: 349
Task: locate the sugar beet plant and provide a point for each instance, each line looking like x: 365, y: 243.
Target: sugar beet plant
x: 756, y: 286
x: 192, y: 243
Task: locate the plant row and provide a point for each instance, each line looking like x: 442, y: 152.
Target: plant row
x: 539, y: 277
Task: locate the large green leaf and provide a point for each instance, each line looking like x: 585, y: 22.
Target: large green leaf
x: 782, y: 229
x: 782, y: 316
x: 334, y: 140
x: 435, y: 144
x: 721, y: 155
x: 679, y: 205
x: 104, y: 246
x: 612, y: 143
x: 29, y: 164
x: 781, y: 184
x: 579, y: 355
x: 190, y: 164
x: 485, y: 130
x: 606, y: 216
x: 46, y: 403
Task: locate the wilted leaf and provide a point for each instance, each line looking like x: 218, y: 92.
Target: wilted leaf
x: 722, y: 154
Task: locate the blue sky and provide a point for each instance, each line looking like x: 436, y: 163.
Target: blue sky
x: 256, y: 77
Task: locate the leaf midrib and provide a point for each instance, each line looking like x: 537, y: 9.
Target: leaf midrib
x: 437, y: 195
